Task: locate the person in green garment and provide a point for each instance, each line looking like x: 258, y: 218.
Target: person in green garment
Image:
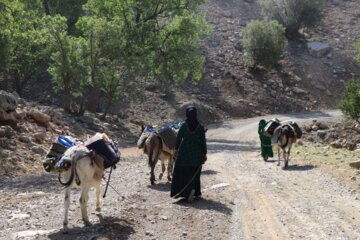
x: 265, y: 141
x: 191, y: 153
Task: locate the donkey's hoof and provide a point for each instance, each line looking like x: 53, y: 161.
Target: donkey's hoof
x: 160, y: 176
x: 64, y: 230
x: 98, y: 209
x: 86, y: 222
x: 169, y: 179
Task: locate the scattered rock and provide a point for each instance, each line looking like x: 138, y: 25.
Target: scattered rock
x: 355, y: 164
x: 39, y: 150
x: 318, y: 49
x: 40, y: 137
x: 40, y: 117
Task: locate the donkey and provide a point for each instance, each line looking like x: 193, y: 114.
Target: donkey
x: 286, y: 137
x: 152, y: 144
x: 87, y: 170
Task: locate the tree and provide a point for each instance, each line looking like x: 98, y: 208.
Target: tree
x: 22, y: 48
x: 350, y: 105
x: 111, y: 76
x: 67, y: 66
x: 162, y: 38
x: 103, y: 49
x: 71, y: 9
x: 263, y: 42
x: 293, y: 14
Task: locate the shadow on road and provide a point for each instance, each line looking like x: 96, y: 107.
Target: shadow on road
x: 45, y: 182
x: 299, y: 167
x: 221, y: 145
x: 305, y: 115
x: 107, y: 228
x: 162, y: 186
x: 206, y: 204
x: 209, y: 172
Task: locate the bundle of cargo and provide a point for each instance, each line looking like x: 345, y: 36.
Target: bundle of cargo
x: 102, y: 145
x: 271, y: 126
x: 52, y: 160
x: 296, y: 128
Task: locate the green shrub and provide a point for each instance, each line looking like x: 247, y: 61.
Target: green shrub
x: 350, y: 105
x: 357, y: 47
x: 293, y: 14
x: 263, y: 42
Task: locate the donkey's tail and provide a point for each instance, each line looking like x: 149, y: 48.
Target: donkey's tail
x: 72, y: 174
x: 154, y: 150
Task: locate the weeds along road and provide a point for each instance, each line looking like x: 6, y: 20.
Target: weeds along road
x: 243, y: 198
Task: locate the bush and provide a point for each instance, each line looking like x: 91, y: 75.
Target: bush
x: 263, y: 42
x: 357, y: 47
x: 350, y: 105
x: 293, y: 14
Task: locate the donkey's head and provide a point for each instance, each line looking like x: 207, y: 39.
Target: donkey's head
x: 145, y: 133
x: 286, y: 134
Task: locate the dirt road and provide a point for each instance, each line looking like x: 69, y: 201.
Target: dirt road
x: 243, y: 198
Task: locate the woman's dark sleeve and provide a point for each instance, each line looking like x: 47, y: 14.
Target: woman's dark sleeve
x: 179, y: 136
x: 203, y: 142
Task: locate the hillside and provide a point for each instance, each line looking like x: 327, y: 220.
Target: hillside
x: 230, y: 90
x: 227, y: 91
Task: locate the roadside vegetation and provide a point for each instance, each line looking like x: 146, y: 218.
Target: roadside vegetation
x: 264, y: 42
x: 93, y: 50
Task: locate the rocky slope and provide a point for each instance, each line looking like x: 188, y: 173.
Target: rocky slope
x: 302, y: 81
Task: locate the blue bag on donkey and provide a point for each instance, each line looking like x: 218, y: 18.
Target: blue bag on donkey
x: 105, y: 147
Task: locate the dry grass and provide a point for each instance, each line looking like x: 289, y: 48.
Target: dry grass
x: 332, y: 161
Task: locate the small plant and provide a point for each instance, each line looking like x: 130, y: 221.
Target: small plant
x: 293, y: 14
x: 357, y: 47
x: 350, y: 105
x: 263, y: 42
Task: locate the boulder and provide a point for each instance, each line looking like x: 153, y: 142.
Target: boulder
x: 355, y: 164
x: 40, y: 117
x: 8, y: 113
x: 299, y: 90
x: 318, y: 49
x: 40, y: 137
x: 336, y: 144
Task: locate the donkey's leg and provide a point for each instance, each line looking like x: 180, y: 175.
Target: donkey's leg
x: 286, y: 160
x: 66, y: 208
x: 97, y: 192
x: 284, y: 156
x: 169, y: 167
x: 162, y: 168
x: 279, y: 153
x: 287, y: 157
x: 83, y: 204
x: 153, y: 164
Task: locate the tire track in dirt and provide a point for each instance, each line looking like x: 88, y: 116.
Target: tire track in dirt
x: 270, y: 203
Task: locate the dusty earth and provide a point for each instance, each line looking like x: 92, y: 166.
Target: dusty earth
x: 243, y: 198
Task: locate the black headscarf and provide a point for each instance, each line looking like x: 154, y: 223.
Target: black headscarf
x: 191, y: 118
